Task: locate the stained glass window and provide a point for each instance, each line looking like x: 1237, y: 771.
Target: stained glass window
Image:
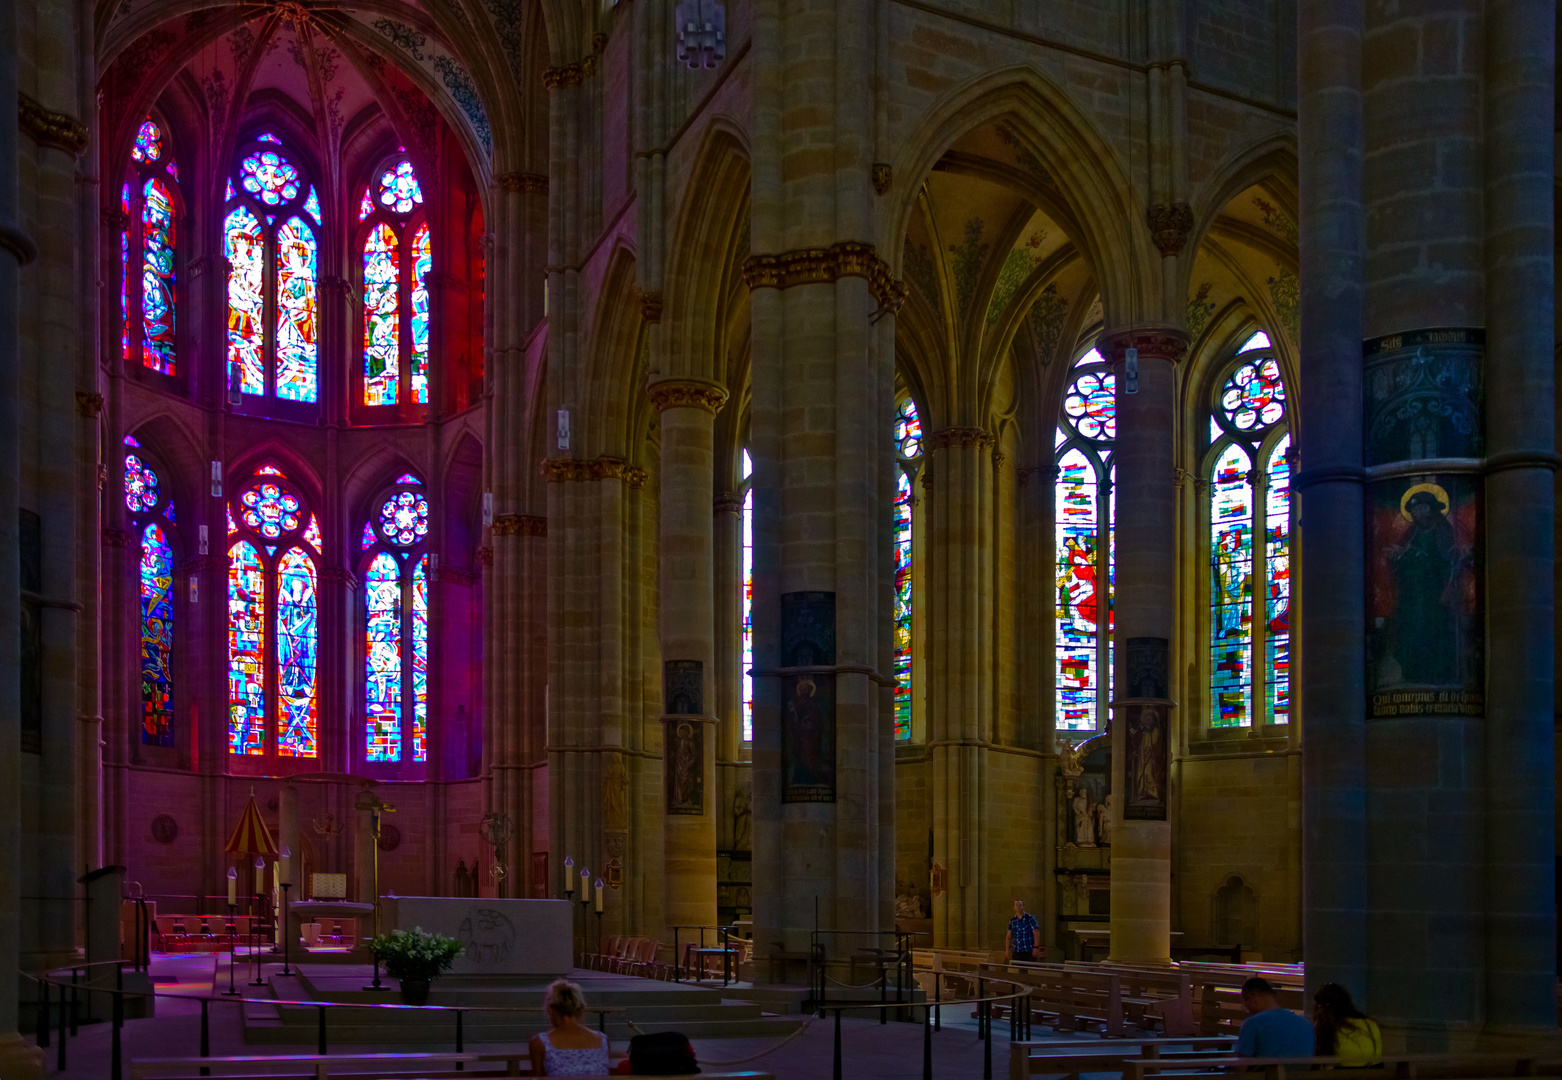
x: 273, y: 275
x: 246, y: 651
x: 296, y: 639
x: 1084, y: 556
x: 382, y: 658
x: 243, y: 246
x: 396, y: 631
x: 273, y: 635
x: 296, y: 306
x: 404, y: 518
x: 420, y: 660
x: 140, y: 485
x: 408, y: 478
x: 422, y: 263
x: 157, y: 637
x: 1231, y: 605
x: 747, y: 659
x: 397, y: 263
x: 381, y: 321
x: 1249, y: 514
x: 1277, y: 557
x: 908, y: 448
x: 150, y: 199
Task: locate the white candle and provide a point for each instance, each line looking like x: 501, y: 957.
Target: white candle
x: 599, y: 896
x: 233, y: 887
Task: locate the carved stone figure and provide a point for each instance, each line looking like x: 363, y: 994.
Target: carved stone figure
x: 1084, y: 823
x: 742, y: 815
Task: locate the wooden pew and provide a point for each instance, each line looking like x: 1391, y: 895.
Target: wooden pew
x: 360, y: 1067
x: 1072, y: 1057
x: 1402, y: 1066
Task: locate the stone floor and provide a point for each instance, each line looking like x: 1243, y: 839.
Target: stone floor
x: 869, y: 1050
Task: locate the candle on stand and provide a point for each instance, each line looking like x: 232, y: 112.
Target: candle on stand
x: 569, y: 878
x: 599, y: 896
x: 233, y: 886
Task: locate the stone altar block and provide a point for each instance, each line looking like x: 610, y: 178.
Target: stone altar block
x: 502, y: 937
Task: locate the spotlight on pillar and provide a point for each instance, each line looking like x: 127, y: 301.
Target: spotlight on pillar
x: 1130, y: 371
x: 702, y: 33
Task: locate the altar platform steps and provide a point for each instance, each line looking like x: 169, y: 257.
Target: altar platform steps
x: 699, y: 1012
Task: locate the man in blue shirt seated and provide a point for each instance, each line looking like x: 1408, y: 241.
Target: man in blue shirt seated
x: 1270, y: 1031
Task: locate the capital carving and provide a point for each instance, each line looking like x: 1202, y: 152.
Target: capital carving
x: 57, y: 130
x: 1167, y: 343
x: 116, y: 538
x: 944, y: 438
x: 883, y: 176
x: 570, y: 74
x: 651, y: 307
x: 520, y: 525
x: 89, y: 403
x: 563, y: 470
x: 687, y: 394
x: 807, y: 266
x: 450, y: 576
x: 1170, y: 224
x: 339, y: 286
x: 523, y: 181
x: 728, y: 502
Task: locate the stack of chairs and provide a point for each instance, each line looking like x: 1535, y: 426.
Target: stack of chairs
x: 624, y: 955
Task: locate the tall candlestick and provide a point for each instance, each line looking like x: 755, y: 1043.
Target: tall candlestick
x: 233, y: 885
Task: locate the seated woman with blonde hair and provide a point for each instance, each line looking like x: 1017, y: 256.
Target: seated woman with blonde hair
x: 568, y: 1047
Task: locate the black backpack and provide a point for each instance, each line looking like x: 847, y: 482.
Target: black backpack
x: 664, y: 1053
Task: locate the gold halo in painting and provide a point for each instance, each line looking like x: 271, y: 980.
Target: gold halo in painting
x: 1437, y: 492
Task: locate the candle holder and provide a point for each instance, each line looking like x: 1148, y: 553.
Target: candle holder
x: 585, y: 915
x: 287, y: 935
x: 256, y: 963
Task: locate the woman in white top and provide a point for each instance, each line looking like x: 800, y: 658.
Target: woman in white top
x: 568, y: 1047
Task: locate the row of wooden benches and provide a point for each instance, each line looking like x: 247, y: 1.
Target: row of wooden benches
x: 360, y: 1067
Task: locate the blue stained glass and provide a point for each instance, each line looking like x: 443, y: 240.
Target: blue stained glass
x: 408, y: 478
x: 367, y: 540
x: 296, y: 312
x: 312, y: 204
x: 296, y: 643
x: 1277, y: 606
x: 382, y: 659
x: 244, y: 247
x: 268, y: 137
x: 246, y: 656
x: 1078, y: 594
x: 908, y: 444
x: 1231, y: 604
x: 157, y: 638
x: 420, y: 660
x: 157, y: 278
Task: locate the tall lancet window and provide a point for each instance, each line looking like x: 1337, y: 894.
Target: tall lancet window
x: 908, y: 455
x: 397, y: 261
x: 747, y: 659
x: 148, y: 276
x: 395, y: 564
x: 152, y: 515
x: 273, y: 632
x: 1249, y: 542
x: 271, y: 212
x: 1085, y: 513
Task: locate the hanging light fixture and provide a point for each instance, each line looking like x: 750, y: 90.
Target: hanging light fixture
x: 702, y: 32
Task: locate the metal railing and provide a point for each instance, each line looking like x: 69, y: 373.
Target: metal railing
x: 72, y: 991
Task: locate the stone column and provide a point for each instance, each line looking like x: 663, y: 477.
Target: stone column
x: 16, y: 250
x: 1520, y: 840
x: 958, y: 485
x: 1330, y: 610
x: 1140, y: 799
x: 688, y: 637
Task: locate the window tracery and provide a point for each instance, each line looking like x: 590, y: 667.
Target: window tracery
x: 908, y: 454
x: 149, y: 200
x: 397, y: 260
x: 272, y: 255
x: 273, y: 629
x: 1085, y: 514
x: 1249, y: 507
x: 152, y: 514
x: 396, y: 572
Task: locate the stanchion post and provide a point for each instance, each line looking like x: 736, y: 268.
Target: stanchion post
x: 43, y: 1012
x: 938, y: 999
x: 206, y: 1034
x: 987, y: 1046
x: 64, y: 1023
x: 883, y: 994
x: 837, y: 1044
x: 460, y: 1039
x: 116, y: 1066
x: 322, y: 1030
x: 75, y: 981
x: 927, y: 1042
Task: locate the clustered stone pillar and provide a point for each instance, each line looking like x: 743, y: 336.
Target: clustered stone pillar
x: 1427, y: 513
x: 1144, y: 606
x: 688, y: 638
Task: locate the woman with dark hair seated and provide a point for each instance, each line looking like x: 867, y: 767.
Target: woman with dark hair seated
x: 1344, y: 1031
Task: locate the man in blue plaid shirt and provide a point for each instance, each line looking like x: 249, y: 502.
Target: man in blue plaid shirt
x: 1020, y: 942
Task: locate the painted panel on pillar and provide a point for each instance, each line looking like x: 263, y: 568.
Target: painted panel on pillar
x: 1424, y: 634
x: 1425, y: 611
x: 808, y: 697
x: 1145, y: 770
x: 1147, y: 667
x: 685, y: 753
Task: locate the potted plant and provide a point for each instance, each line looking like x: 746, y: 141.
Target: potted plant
x: 416, y: 959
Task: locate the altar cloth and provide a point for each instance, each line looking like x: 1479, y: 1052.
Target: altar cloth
x: 501, y: 937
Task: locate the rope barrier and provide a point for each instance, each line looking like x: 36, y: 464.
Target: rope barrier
x: 807, y: 1021
x: 851, y: 986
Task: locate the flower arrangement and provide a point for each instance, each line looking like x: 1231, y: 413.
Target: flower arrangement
x: 413, y: 954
